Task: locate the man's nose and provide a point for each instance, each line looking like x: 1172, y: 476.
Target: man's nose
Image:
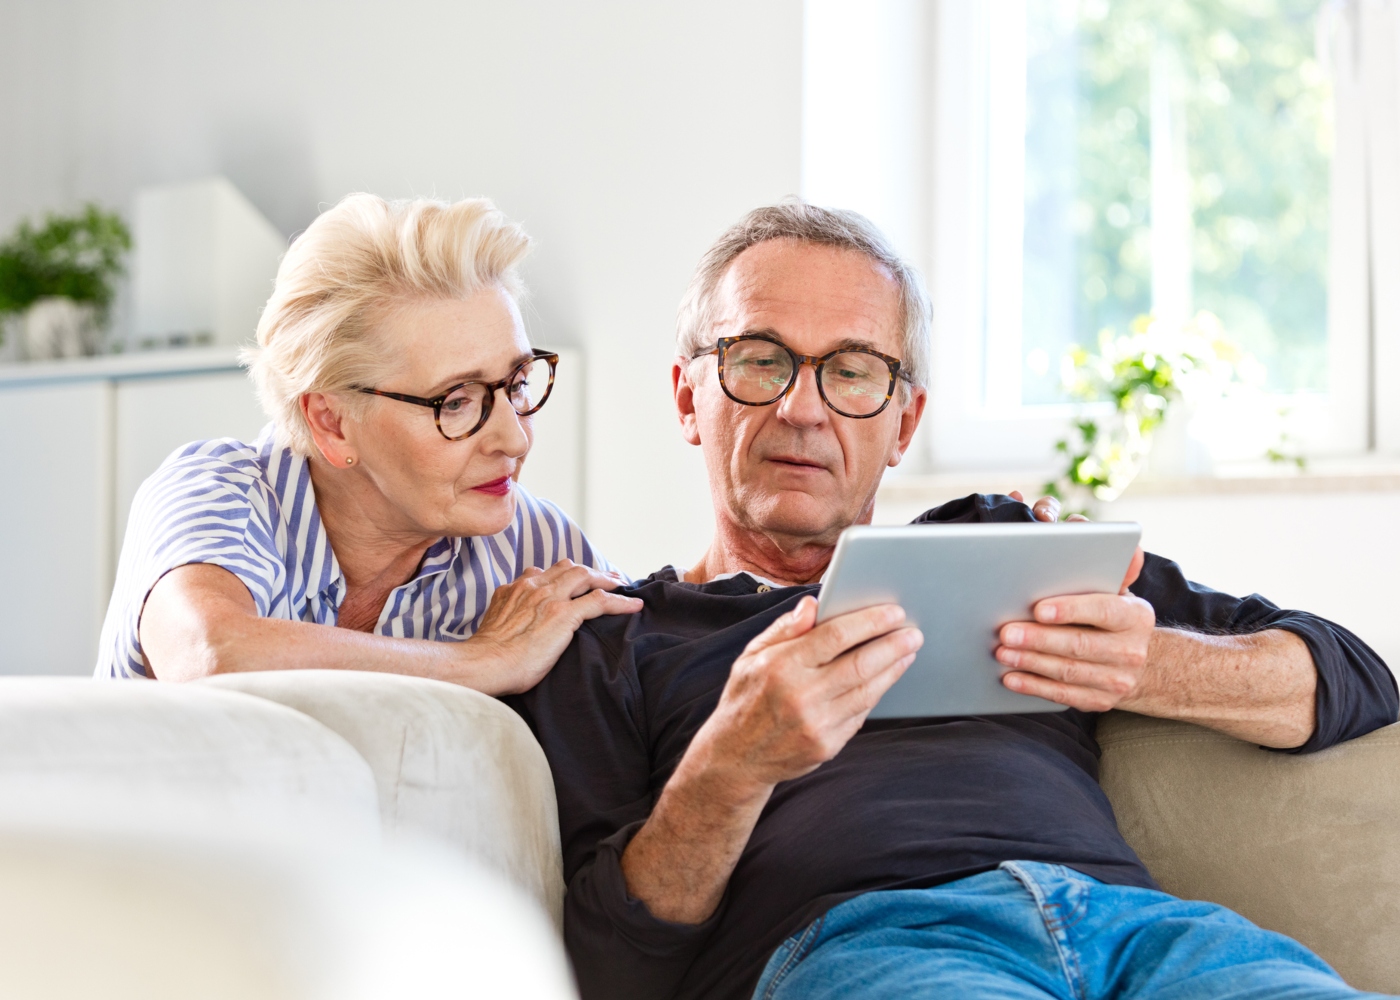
x: 803, y: 406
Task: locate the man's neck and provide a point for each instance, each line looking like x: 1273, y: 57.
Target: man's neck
x: 785, y: 560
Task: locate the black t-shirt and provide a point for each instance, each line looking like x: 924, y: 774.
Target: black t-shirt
x: 906, y: 804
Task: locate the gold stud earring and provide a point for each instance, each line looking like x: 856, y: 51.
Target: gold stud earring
x: 349, y: 459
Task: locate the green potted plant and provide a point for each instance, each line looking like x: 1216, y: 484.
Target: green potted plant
x: 58, y: 280
x: 1157, y: 367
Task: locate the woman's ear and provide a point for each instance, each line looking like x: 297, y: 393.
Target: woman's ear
x: 328, y: 426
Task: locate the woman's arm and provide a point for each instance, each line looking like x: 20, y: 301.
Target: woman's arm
x: 200, y: 619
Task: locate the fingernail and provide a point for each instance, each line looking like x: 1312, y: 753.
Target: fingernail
x: 1008, y: 656
x: 1012, y: 681
x: 1014, y: 635
x: 1049, y: 612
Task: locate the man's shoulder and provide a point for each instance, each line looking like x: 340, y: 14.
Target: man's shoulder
x: 976, y: 508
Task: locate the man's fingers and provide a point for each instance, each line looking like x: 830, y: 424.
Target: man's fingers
x: 1117, y: 680
x: 1072, y: 641
x: 794, y: 623
x: 862, y: 664
x: 836, y: 635
x: 860, y: 699
x: 1111, y: 612
x: 1082, y: 698
x: 1046, y: 509
x: 1134, y: 568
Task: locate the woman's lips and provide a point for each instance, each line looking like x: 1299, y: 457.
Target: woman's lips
x: 496, y: 487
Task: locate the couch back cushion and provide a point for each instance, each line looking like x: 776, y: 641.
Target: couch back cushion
x: 450, y: 763
x: 1305, y: 845
x: 136, y: 758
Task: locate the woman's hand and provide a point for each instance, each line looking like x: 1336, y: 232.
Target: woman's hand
x: 530, y: 621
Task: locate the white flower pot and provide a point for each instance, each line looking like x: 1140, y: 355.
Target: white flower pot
x: 60, y: 328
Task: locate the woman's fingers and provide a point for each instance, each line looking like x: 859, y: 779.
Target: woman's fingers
x: 597, y: 603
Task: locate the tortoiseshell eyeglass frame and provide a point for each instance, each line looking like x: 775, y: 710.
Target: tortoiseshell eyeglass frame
x: 798, y: 360
x: 491, y: 389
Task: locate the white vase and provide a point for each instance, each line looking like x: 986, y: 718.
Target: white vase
x: 1176, y: 452
x: 58, y: 327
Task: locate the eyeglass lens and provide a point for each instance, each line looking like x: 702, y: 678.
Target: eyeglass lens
x: 461, y: 410
x: 758, y: 371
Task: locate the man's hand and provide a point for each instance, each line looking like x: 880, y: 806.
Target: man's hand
x: 1046, y: 509
x: 1087, y: 651
x: 794, y: 697
x: 800, y: 690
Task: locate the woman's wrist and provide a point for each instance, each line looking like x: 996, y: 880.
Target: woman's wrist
x: 480, y: 663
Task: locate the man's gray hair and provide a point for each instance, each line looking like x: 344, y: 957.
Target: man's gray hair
x: 797, y: 220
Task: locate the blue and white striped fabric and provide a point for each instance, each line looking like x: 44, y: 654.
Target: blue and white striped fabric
x: 249, y: 508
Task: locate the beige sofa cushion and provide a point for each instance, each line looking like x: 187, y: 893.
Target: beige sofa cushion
x: 450, y: 763
x: 1306, y: 845
x: 141, y: 758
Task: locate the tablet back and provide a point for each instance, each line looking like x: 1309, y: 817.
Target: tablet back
x: 960, y: 583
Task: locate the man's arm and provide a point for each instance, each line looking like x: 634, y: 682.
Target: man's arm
x: 794, y: 698
x: 1282, y: 679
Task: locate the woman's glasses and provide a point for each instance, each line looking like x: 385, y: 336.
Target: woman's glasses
x: 756, y: 370
x: 463, y: 410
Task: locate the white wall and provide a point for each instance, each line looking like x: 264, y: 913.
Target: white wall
x: 624, y: 134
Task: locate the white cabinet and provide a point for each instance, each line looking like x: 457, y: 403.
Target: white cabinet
x: 54, y: 506
x: 77, y: 438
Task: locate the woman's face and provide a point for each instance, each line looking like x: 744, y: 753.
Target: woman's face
x: 433, y: 486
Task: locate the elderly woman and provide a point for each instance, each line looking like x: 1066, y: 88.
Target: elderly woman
x: 377, y: 523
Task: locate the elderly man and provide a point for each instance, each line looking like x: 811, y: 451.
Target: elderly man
x: 733, y: 827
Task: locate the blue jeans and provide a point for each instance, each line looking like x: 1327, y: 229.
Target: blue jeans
x: 1031, y: 930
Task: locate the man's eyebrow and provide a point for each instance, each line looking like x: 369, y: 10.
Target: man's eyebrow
x: 844, y: 344
x: 476, y: 375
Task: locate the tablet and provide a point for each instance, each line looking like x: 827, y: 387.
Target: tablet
x: 960, y: 583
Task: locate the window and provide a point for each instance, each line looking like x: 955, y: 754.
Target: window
x: 1177, y: 157
x: 1086, y: 161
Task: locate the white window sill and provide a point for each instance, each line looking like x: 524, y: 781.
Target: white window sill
x: 1336, y: 475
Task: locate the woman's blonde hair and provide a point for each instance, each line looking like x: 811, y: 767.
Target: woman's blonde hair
x: 354, y: 264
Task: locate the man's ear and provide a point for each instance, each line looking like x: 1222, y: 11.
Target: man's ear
x: 685, y: 400
x: 909, y: 418
x: 328, y: 427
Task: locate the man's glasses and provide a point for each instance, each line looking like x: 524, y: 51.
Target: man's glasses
x: 463, y: 410
x: 756, y: 370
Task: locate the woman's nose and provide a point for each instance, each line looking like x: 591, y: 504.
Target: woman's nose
x: 504, y: 431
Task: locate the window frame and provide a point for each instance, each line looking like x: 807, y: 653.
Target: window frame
x: 949, y: 45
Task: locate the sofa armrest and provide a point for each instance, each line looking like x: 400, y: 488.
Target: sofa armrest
x: 450, y: 763
x: 1305, y: 845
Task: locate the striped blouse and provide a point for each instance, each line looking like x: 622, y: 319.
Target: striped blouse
x: 249, y: 508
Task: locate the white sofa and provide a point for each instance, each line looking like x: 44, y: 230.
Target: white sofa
x: 178, y: 841
x: 277, y: 787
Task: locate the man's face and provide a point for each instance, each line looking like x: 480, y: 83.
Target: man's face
x: 795, y: 468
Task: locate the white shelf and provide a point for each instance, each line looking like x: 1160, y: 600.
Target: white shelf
x: 131, y: 365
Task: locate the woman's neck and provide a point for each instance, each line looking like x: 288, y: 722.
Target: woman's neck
x: 374, y: 555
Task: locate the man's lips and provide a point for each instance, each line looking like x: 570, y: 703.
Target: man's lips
x: 496, y: 487
x: 796, y: 463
